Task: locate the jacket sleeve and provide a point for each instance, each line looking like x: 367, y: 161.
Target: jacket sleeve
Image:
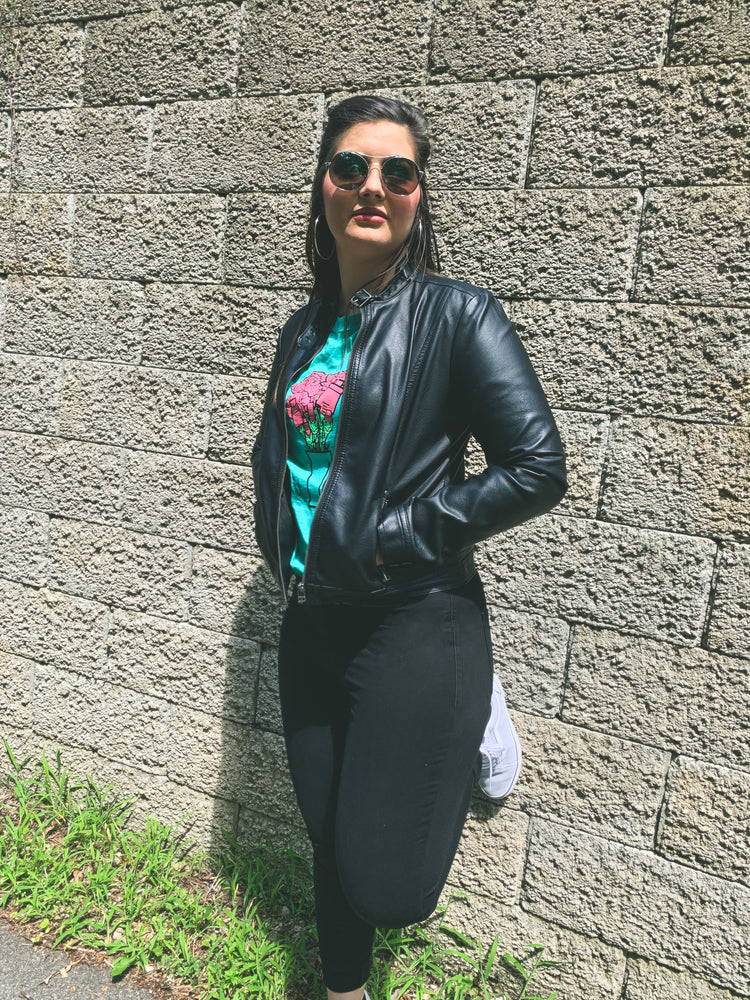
x: 494, y: 383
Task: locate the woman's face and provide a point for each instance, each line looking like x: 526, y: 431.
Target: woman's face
x: 371, y: 222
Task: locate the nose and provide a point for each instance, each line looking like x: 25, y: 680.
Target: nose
x: 373, y: 183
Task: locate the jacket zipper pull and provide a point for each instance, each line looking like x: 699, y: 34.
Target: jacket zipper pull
x: 300, y: 593
x: 386, y: 498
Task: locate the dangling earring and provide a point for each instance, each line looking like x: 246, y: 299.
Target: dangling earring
x: 315, y: 241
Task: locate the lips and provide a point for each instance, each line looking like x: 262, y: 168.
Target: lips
x: 369, y: 213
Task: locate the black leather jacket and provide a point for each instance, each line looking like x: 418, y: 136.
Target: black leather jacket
x: 434, y: 362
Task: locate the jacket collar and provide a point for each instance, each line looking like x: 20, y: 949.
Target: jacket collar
x: 404, y: 273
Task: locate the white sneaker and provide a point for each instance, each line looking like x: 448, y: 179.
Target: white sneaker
x: 500, y: 750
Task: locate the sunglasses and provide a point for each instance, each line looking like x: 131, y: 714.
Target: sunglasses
x: 349, y: 171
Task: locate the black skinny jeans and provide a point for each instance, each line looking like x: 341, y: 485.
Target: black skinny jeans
x: 384, y: 708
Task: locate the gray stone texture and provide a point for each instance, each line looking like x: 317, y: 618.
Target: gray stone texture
x: 646, y: 359
x: 224, y: 329
x: 127, y: 569
x: 655, y: 127
x: 136, y: 407
x: 484, y: 39
x: 710, y: 31
x: 685, y: 700
x: 286, y: 46
x: 589, y: 781
x: 86, y: 713
x: 148, y: 237
x: 29, y: 393
x: 266, y: 144
x: 24, y: 538
x: 59, y: 476
x: 160, y: 55
x: 603, y: 574
x: 83, y: 149
x: 234, y: 592
x: 84, y: 318
x: 491, y: 855
x: 237, y: 404
x: 693, y: 246
x: 639, y: 902
x: 53, y: 628
x: 189, y: 499
x: 728, y: 627
x: 267, y: 709
x: 35, y: 233
x: 530, y: 652
x: 597, y: 975
x: 584, y: 438
x: 558, y: 244
x: 68, y: 10
x: 257, y: 828
x: 16, y: 682
x: 692, y: 478
x: 274, y: 226
x: 706, y: 819
x: 647, y: 981
x: 48, y: 71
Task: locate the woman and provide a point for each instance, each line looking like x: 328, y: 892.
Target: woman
x: 385, y: 665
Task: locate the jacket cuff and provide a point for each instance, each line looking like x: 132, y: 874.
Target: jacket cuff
x: 394, y: 536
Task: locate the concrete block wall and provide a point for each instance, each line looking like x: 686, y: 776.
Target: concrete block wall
x: 591, y: 167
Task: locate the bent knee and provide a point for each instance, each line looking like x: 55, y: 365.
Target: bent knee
x: 395, y: 901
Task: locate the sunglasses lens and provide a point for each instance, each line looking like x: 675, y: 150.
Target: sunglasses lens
x: 400, y: 175
x: 348, y: 170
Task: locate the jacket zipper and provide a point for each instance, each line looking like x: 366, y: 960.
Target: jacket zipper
x: 356, y: 351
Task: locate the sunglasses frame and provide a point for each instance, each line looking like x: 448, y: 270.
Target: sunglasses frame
x: 368, y: 160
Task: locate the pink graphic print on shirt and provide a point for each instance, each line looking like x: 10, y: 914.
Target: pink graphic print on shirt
x: 311, y: 405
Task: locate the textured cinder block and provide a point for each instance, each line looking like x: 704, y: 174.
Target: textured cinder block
x: 136, y: 407
x: 640, y: 358
x: 87, y: 713
x: 203, y: 752
x: 598, y: 974
x: 82, y: 318
x: 268, y: 709
x: 48, y: 72
x: 29, y: 393
x: 83, y: 149
x: 267, y: 787
x: 679, y: 477
x: 558, y: 244
x: 68, y: 10
x: 236, y: 145
x: 125, y: 568
x: 693, y: 246
x: 184, y: 664
x: 684, y: 700
x: 235, y: 418
x: 640, y: 902
x: 234, y: 592
x: 24, y: 538
x: 59, y: 476
x: 706, y: 818
x: 648, y: 981
x: 305, y: 48
x: 488, y: 38
x: 588, y: 781
x: 148, y: 237
x: 480, y: 132
x: 584, y: 438
x: 274, y: 226
x: 35, y: 233
x: 530, y: 653
x: 605, y: 574
x: 491, y: 853
x: 179, y: 55
x: 216, y: 328
x: 16, y: 681
x: 255, y: 829
x: 190, y: 499
x: 53, y: 628
x: 728, y: 627
x: 709, y: 31
x: 654, y: 127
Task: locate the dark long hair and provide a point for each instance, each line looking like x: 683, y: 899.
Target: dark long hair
x: 420, y: 247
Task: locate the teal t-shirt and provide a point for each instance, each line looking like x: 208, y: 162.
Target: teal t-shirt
x: 312, y: 410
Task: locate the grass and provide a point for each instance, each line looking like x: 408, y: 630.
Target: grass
x: 237, y: 928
